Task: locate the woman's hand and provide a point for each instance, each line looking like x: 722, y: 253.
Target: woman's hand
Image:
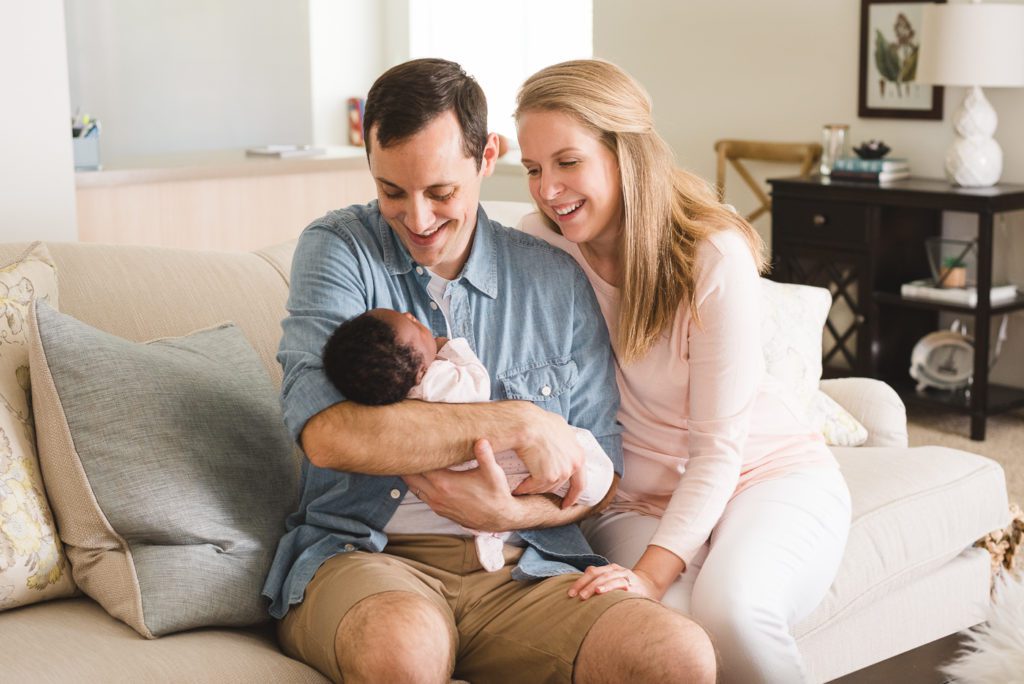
x: 652, y: 575
x: 600, y: 580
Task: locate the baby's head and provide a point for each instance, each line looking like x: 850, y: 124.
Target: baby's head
x: 377, y: 357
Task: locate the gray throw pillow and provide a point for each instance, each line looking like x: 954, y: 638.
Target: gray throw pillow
x: 168, y: 467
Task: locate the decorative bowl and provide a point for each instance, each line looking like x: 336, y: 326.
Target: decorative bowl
x: 872, y: 149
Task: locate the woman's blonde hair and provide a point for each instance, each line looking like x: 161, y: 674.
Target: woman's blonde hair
x: 666, y: 211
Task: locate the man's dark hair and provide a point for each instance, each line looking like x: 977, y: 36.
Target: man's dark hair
x: 364, y: 360
x: 407, y: 97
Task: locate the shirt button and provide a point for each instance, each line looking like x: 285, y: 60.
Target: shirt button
x: 433, y: 306
x: 349, y: 547
x: 395, y: 493
x: 419, y: 270
x: 546, y: 391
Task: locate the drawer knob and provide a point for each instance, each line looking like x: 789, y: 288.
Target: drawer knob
x: 819, y: 219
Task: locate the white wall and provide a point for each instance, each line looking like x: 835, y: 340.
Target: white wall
x: 778, y: 71
x: 347, y: 55
x: 182, y: 75
x: 37, y: 191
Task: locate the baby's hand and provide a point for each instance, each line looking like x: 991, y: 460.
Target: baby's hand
x: 441, y: 341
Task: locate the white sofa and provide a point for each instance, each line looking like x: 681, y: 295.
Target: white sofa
x: 910, y: 574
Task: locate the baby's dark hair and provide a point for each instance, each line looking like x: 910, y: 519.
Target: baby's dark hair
x: 367, y: 364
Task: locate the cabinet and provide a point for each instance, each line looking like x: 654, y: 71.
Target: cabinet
x: 861, y: 242
x: 220, y: 200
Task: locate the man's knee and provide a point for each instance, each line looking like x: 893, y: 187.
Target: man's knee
x: 396, y: 636
x: 645, y: 641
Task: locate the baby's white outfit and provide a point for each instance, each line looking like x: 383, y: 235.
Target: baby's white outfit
x: 456, y: 376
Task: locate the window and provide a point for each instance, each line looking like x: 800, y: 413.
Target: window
x: 501, y: 42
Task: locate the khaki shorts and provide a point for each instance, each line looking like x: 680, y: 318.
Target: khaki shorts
x: 502, y: 630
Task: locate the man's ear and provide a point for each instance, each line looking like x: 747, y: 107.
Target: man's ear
x: 490, y: 156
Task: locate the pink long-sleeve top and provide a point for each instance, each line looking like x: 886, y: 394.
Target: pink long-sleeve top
x: 702, y: 419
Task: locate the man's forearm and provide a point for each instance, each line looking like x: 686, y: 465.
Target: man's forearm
x: 408, y: 437
x: 538, y: 511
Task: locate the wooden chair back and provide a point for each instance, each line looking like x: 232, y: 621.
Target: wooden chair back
x: 736, y: 151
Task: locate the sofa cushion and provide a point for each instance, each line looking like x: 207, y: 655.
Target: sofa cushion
x: 32, y: 562
x: 904, y: 525
x: 75, y: 641
x: 792, y: 319
x: 169, y: 469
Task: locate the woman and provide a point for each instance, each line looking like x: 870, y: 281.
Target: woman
x: 731, y: 509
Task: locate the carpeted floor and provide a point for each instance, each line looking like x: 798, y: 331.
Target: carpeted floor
x: 1004, y: 440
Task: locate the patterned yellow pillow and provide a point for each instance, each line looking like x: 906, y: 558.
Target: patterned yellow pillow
x: 32, y: 562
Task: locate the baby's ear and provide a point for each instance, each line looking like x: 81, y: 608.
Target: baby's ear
x: 420, y: 373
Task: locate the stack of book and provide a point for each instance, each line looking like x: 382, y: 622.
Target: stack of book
x: 966, y: 296
x: 285, y: 151
x: 870, y: 170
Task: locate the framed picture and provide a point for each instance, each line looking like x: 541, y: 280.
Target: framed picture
x: 890, y: 41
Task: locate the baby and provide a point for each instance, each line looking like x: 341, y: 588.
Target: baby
x: 384, y: 356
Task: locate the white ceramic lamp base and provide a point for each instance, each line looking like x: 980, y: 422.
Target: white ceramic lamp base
x: 975, y: 159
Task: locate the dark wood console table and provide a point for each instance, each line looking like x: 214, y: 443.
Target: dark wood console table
x: 862, y: 241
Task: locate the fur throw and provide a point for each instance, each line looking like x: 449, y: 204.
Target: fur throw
x: 993, y: 652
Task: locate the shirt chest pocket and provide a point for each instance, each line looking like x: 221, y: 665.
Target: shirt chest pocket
x: 546, y: 385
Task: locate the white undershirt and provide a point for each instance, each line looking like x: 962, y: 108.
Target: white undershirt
x: 437, y: 289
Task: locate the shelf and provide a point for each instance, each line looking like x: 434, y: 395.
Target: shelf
x: 1000, y: 397
x: 894, y: 299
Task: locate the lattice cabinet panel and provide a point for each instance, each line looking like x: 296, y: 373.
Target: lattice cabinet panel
x: 844, y: 348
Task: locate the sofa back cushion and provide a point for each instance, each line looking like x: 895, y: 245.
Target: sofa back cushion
x: 169, y: 470
x: 142, y: 293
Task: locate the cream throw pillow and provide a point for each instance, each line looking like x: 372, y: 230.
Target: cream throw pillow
x: 32, y: 562
x: 792, y: 320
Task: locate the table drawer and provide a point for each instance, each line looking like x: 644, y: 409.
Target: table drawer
x: 833, y: 223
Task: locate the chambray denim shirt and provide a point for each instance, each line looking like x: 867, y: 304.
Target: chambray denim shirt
x: 528, y: 313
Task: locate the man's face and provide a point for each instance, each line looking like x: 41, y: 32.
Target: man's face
x: 429, y: 190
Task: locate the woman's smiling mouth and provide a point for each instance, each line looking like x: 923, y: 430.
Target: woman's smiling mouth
x: 564, y: 211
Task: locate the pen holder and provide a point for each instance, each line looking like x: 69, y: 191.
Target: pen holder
x: 86, y: 152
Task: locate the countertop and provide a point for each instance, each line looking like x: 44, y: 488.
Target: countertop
x: 234, y: 163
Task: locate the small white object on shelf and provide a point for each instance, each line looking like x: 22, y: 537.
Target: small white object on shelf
x: 284, y: 151
x: 966, y: 296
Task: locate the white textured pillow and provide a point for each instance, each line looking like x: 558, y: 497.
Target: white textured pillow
x: 792, y: 320
x: 32, y: 562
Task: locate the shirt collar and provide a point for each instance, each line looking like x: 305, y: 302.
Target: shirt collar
x: 480, y: 270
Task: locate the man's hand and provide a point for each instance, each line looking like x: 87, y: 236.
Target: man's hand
x: 478, y: 498
x: 552, y: 455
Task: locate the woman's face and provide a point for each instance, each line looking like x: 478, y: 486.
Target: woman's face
x: 573, y: 176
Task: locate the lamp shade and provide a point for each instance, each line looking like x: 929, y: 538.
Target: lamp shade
x: 972, y: 44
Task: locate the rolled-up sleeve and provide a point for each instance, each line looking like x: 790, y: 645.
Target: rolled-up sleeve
x: 327, y: 289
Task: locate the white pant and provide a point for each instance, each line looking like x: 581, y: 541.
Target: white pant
x: 769, y: 562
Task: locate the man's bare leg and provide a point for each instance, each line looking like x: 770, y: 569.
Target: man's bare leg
x: 396, y: 636
x: 642, y: 641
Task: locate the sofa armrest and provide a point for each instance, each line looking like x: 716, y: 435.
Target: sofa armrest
x: 875, y: 405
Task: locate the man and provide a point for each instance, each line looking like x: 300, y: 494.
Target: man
x: 374, y: 580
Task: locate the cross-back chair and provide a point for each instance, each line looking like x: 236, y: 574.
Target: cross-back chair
x: 736, y: 151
